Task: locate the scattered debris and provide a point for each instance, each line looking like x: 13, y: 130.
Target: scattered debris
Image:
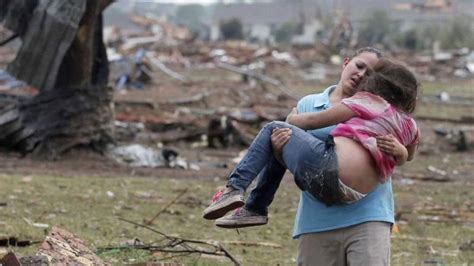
x: 13, y: 241
x: 39, y: 225
x: 156, y: 62
x: 468, y: 246
x: 140, y: 156
x: 137, y: 155
x: 444, y: 96
x: 438, y: 176
x: 436, y: 170
x: 253, y: 244
x: 456, y: 137
x: 260, y: 77
x: 9, y: 82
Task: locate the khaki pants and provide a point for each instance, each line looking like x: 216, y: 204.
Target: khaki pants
x: 363, y: 244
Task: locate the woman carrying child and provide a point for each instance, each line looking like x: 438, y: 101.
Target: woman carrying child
x: 349, y: 164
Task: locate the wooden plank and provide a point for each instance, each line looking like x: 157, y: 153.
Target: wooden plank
x: 156, y: 62
x: 51, y: 30
x: 21, y: 135
x: 64, y: 248
x: 8, y: 116
x: 9, y: 128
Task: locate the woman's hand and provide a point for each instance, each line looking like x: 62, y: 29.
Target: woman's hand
x: 390, y: 145
x: 279, y: 138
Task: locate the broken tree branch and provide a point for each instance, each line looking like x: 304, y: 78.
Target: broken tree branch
x: 182, y: 243
x: 13, y: 241
x: 253, y: 244
x: 421, y: 239
x: 150, y: 222
x: 425, y: 177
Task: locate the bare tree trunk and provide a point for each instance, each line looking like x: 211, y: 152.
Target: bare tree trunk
x: 74, y: 106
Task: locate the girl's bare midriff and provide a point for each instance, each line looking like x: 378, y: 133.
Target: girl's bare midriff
x: 356, y: 167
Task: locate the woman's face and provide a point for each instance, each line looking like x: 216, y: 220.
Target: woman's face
x: 355, y: 69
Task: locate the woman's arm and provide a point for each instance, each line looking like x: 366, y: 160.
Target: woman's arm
x: 334, y: 115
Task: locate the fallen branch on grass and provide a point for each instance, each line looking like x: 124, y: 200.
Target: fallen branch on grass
x: 14, y: 242
x: 178, y: 245
x: 423, y: 239
x: 253, y: 244
x: 425, y: 177
x: 150, y: 222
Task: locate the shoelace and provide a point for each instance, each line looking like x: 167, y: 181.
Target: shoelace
x: 217, y: 195
x: 238, y: 210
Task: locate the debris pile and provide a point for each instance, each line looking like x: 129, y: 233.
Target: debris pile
x: 172, y: 89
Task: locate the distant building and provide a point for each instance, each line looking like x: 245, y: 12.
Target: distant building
x: 408, y: 13
x: 261, y: 20
x: 258, y: 19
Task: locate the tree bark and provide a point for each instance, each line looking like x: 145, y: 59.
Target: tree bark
x: 74, y: 105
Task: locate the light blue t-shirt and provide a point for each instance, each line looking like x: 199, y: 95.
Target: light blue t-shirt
x: 314, y: 216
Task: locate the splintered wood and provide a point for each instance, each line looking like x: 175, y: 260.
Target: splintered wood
x: 64, y: 248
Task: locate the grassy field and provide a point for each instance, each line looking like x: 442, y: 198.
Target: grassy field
x: 90, y: 208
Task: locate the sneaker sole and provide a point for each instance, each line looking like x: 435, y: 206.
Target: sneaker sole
x: 219, y: 210
x: 240, y: 224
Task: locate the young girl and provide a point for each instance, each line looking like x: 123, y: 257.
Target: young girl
x: 349, y: 164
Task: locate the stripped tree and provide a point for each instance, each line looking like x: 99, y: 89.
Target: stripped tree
x: 63, y: 55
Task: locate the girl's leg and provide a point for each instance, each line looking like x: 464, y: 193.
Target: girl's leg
x: 268, y: 182
x: 299, y: 154
x: 300, y: 146
x: 304, y: 156
x: 255, y: 211
x: 259, y: 154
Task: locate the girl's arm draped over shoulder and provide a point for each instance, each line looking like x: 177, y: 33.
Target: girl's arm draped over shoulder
x: 334, y: 115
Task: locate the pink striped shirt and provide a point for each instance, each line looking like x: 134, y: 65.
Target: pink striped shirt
x: 376, y: 117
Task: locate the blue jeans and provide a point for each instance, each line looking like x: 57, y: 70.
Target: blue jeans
x: 312, y: 162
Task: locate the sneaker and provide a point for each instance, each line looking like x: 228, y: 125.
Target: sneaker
x: 242, y: 217
x: 222, y: 203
